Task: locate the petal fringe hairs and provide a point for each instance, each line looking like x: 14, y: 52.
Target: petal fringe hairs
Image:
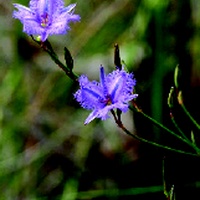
x: 45, y: 17
x: 115, y: 90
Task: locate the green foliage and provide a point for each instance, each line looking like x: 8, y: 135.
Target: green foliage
x: 45, y: 150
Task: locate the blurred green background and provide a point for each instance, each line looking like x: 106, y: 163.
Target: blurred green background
x: 45, y: 150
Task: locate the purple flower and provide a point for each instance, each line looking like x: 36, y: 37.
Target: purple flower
x: 45, y: 17
x: 115, y: 90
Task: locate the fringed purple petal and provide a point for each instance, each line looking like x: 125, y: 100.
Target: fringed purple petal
x: 48, y: 16
x: 121, y: 85
x: 22, y: 12
x: 90, y: 94
x: 114, y: 91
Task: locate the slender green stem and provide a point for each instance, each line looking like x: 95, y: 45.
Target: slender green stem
x: 182, y: 133
x: 170, y: 102
x: 189, y: 115
x: 171, y: 105
x: 135, y: 108
x: 156, y: 144
x: 163, y: 178
x: 120, y: 125
x: 180, y: 101
x: 46, y: 46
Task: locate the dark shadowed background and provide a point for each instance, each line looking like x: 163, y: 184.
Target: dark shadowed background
x: 45, y: 150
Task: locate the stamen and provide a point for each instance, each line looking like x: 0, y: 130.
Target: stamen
x: 45, y: 20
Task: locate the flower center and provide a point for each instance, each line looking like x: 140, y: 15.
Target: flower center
x: 45, y: 20
x: 108, y: 100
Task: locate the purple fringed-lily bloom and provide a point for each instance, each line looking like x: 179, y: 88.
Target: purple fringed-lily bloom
x: 45, y: 17
x: 115, y: 90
